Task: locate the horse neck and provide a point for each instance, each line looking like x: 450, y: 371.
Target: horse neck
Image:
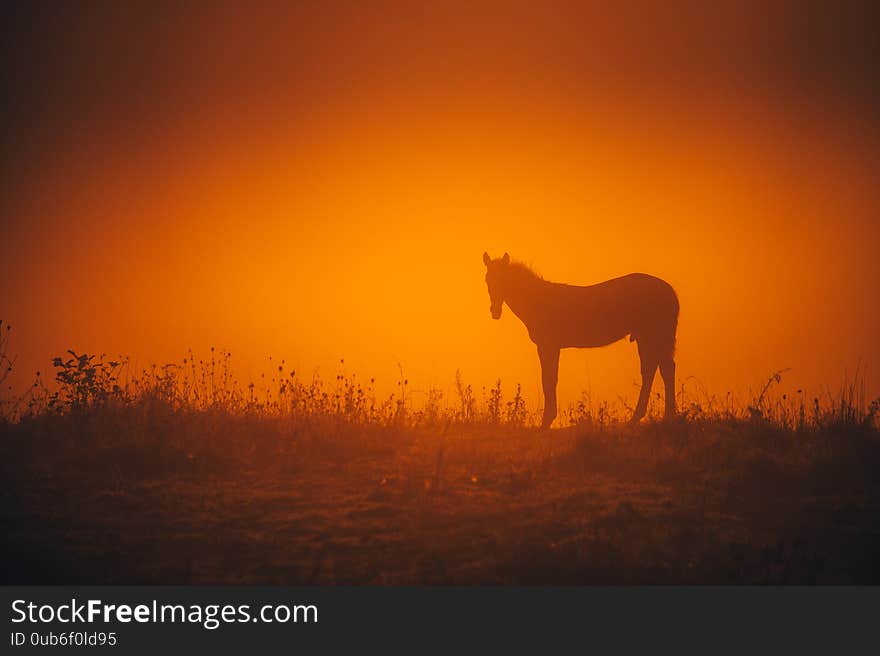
x: 524, y: 298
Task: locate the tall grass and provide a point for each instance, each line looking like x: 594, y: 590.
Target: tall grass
x: 197, y: 411
x: 87, y: 383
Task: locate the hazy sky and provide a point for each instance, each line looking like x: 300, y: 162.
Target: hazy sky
x: 319, y: 182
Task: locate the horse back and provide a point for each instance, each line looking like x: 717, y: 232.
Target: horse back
x: 640, y: 305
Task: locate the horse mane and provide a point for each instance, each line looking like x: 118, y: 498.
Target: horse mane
x: 522, y: 272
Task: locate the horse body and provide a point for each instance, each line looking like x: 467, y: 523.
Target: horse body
x: 561, y: 316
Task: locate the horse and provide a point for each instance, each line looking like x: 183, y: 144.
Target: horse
x: 561, y: 316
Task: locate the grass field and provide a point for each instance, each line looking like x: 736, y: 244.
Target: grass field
x: 180, y: 475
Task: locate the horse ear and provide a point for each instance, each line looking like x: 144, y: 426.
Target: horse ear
x: 486, y: 258
x: 506, y: 259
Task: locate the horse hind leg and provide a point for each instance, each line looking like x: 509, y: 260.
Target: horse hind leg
x: 649, y: 361
x: 667, y: 371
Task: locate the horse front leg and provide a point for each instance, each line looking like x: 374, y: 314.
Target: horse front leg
x: 549, y: 356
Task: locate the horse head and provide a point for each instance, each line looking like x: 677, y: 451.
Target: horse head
x: 496, y: 281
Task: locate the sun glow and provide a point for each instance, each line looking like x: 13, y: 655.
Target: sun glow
x: 343, y: 217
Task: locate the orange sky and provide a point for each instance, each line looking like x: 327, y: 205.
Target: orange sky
x: 321, y: 184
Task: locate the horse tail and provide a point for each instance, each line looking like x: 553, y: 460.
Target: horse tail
x: 674, y: 318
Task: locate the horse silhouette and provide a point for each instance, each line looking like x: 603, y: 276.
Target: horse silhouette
x: 561, y: 316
